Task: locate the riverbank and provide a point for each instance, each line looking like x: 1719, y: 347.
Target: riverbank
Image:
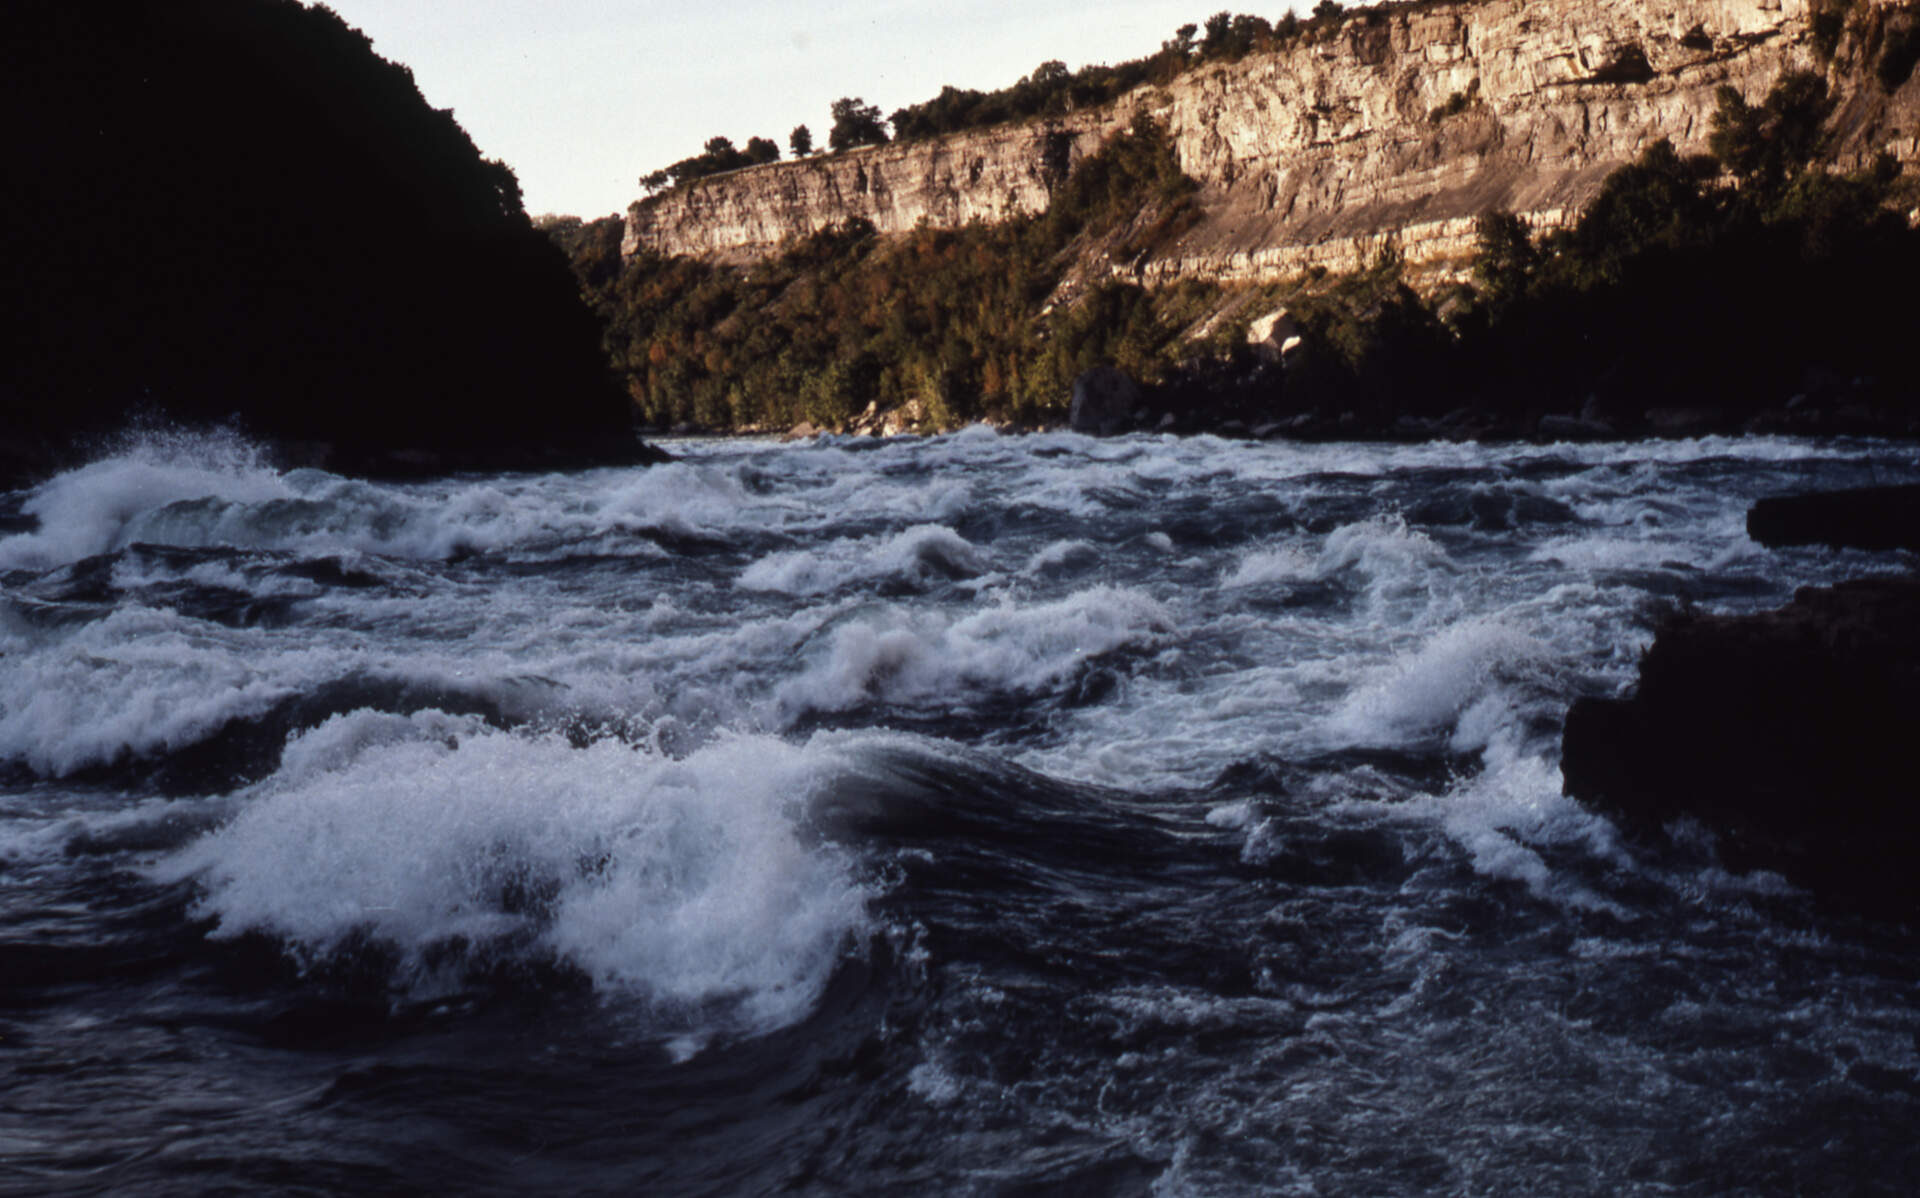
x: 1215, y: 405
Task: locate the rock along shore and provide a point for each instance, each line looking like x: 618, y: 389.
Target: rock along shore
x: 1790, y: 733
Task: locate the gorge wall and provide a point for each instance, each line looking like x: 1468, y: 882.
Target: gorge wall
x: 1404, y: 123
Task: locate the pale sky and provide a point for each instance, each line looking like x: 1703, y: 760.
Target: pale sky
x: 582, y: 97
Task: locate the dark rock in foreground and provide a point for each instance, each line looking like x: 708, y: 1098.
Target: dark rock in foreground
x: 1868, y: 518
x: 1791, y: 733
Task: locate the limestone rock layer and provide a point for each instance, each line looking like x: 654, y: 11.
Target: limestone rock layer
x: 1398, y: 126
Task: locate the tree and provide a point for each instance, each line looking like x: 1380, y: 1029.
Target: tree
x: 1327, y: 10
x: 717, y: 156
x: 1504, y: 260
x: 1656, y: 203
x: 1231, y: 37
x: 855, y: 123
x: 1216, y: 29
x: 800, y: 141
x: 1768, y: 145
x: 1051, y: 73
x: 1736, y: 141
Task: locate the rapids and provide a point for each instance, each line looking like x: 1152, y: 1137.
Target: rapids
x: 972, y: 814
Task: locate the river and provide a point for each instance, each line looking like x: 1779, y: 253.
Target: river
x: 976, y: 814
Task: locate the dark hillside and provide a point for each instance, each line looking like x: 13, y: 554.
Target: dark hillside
x: 234, y: 208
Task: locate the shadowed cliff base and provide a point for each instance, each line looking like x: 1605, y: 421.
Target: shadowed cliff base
x: 234, y: 211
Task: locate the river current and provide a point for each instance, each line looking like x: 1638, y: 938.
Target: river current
x: 966, y: 815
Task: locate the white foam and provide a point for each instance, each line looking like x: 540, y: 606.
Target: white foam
x: 931, y: 1083
x: 683, y: 498
x: 139, y: 681
x: 684, y: 884
x: 100, y: 507
x: 344, y: 739
x: 1407, y: 576
x: 1503, y: 815
x: 1467, y: 681
x: 1063, y: 557
x: 217, y: 490
x: 921, y: 555
x: 916, y: 658
x: 1385, y: 549
x: 1283, y: 563
x: 1237, y: 814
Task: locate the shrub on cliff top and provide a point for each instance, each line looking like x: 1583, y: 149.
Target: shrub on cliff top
x: 718, y: 156
x: 1053, y: 90
x: 855, y: 123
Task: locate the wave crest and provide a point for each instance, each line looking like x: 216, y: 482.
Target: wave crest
x: 686, y: 884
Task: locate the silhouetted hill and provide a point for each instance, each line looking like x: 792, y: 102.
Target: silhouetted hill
x: 220, y: 208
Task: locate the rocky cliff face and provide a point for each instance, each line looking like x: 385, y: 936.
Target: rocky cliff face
x: 988, y: 175
x: 1401, y: 125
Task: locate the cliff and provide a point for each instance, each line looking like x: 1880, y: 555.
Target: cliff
x: 1403, y: 123
x: 987, y: 175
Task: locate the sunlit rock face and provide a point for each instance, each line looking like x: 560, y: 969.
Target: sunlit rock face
x: 986, y: 175
x: 1400, y: 126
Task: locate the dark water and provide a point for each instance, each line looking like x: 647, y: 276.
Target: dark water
x: 973, y: 815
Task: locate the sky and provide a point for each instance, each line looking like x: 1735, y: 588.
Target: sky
x: 582, y: 97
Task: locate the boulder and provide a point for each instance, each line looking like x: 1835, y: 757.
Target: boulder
x: 1274, y: 337
x: 906, y: 418
x: 1104, y: 399
x: 1867, y: 518
x: 1790, y: 733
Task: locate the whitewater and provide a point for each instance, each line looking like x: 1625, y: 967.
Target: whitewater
x: 976, y: 814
